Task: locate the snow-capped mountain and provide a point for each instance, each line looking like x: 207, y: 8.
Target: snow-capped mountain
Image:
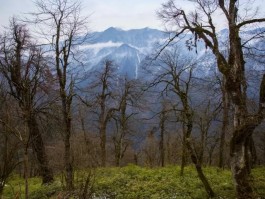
x: 129, y: 49
x: 126, y: 48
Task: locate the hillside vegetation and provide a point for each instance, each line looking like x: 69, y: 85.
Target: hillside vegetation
x: 133, y: 182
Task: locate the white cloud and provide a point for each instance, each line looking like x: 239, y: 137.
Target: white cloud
x: 126, y: 14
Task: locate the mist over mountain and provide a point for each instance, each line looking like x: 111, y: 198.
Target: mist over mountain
x: 130, y: 48
x: 126, y: 48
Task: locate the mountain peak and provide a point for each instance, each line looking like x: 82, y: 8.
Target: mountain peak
x: 113, y: 29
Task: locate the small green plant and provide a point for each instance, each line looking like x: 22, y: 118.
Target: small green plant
x: 46, y: 191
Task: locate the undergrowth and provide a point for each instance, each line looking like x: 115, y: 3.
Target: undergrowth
x: 133, y: 182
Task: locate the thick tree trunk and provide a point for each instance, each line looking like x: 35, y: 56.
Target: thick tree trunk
x: 239, y: 155
x: 244, y: 125
x: 67, y: 132
x: 39, y: 149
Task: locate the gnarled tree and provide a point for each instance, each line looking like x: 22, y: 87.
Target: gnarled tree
x: 175, y: 79
x: 202, y: 25
x: 22, y: 66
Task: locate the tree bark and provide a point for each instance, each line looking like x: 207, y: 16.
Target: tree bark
x: 243, y: 127
x: 66, y: 110
x: 39, y: 148
x: 26, y: 172
x: 103, y: 139
x: 117, y: 155
x: 66, y: 100
x: 184, y: 151
x: 162, y: 135
x: 240, y: 162
x: 68, y: 163
x: 225, y: 124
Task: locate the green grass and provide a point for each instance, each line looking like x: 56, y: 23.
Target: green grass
x: 133, y: 182
x: 15, y: 187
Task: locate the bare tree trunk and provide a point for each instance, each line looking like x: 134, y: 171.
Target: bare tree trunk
x: 225, y: 124
x: 68, y: 163
x: 168, y: 147
x: 66, y: 109
x: 202, y: 147
x: 66, y: 101
x: 194, y: 157
x: 135, y: 158
x: 240, y: 163
x: 103, y: 123
x: 103, y: 139
x: 39, y: 148
x: 117, y: 160
x: 162, y: 135
x: 26, y: 172
x: 118, y: 146
x: 184, y: 151
x: 118, y: 140
x: 243, y: 124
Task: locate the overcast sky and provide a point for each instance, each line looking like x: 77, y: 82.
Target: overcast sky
x: 126, y: 14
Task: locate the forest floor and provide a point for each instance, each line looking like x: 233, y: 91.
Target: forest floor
x: 133, y: 182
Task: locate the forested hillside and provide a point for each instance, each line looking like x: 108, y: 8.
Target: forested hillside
x: 172, y: 110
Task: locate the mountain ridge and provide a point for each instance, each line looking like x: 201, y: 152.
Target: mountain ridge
x: 129, y: 48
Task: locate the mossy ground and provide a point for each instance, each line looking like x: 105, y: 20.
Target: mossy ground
x: 133, y: 182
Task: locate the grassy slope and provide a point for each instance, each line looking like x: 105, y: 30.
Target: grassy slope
x: 134, y: 182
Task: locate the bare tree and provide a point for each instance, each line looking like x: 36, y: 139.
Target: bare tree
x: 164, y: 118
x: 126, y: 101
x: 15, y: 127
x: 60, y: 23
x: 9, y: 146
x: 22, y: 66
x: 100, y: 98
x: 175, y: 77
x: 202, y: 25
